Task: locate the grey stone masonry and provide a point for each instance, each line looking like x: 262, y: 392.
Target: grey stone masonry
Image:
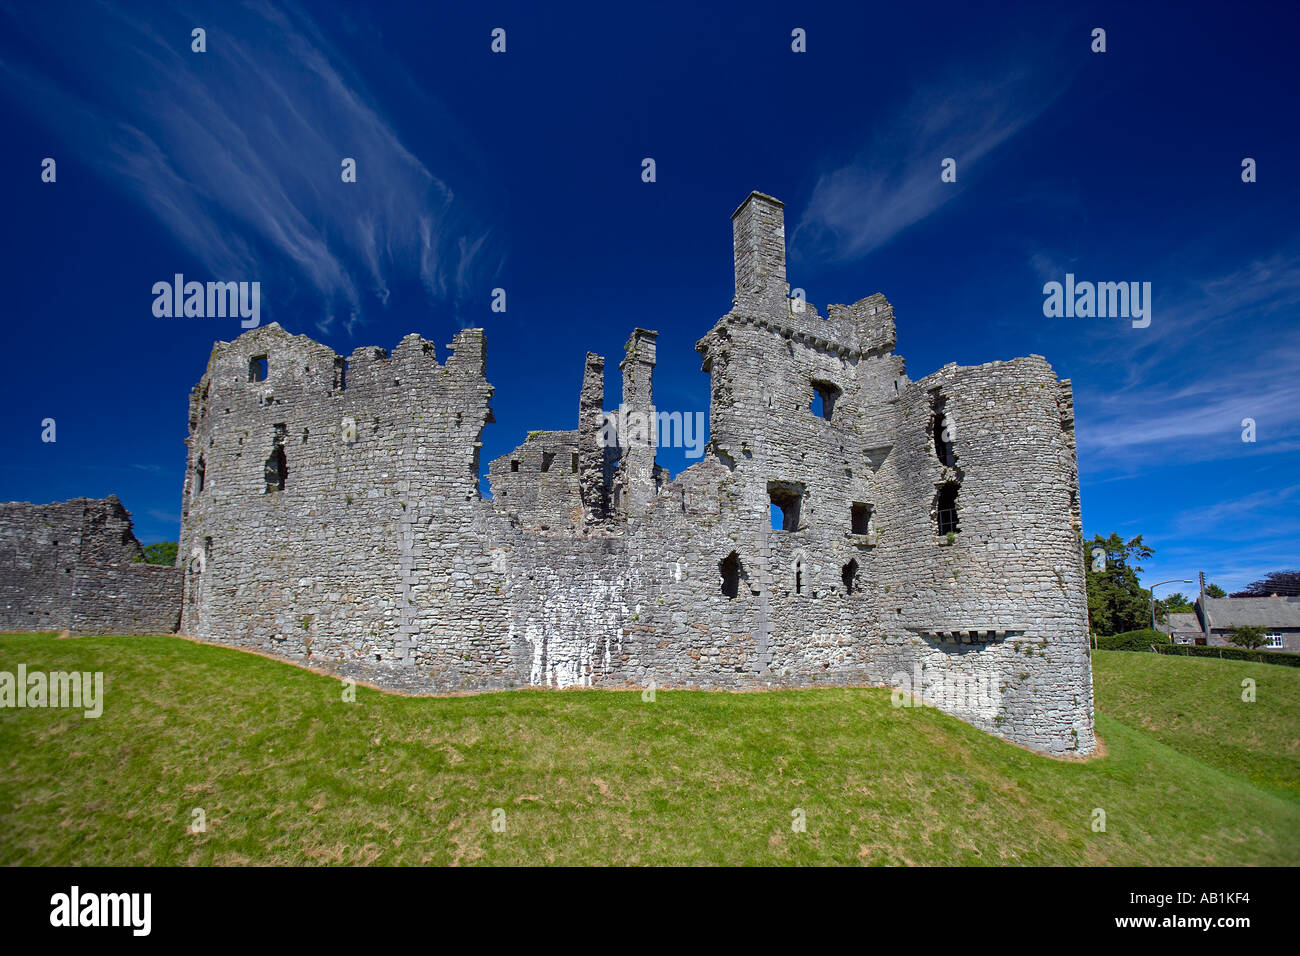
x: 70, y: 565
x: 929, y: 537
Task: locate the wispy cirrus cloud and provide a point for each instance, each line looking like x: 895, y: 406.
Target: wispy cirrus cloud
x: 1241, y: 518
x: 894, y: 182
x: 1219, y: 351
x: 237, y: 151
x: 1199, y: 420
x: 1199, y: 411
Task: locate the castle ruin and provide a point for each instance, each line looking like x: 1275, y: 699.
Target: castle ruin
x: 930, y: 529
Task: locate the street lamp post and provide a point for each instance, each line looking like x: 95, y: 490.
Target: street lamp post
x: 1153, y: 596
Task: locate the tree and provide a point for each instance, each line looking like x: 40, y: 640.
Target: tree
x: 1176, y: 603
x: 161, y: 552
x: 1214, y: 591
x: 1117, y: 602
x: 1278, y: 582
x: 1251, y: 637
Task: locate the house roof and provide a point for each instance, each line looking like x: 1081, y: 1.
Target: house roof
x: 1180, y: 621
x: 1263, y: 612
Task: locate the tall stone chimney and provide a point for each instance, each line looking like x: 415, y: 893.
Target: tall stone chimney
x: 758, y: 236
x: 637, y: 420
x: 594, y: 446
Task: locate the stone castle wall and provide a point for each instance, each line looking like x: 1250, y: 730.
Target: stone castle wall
x: 332, y: 514
x: 70, y: 566
x: 332, y: 507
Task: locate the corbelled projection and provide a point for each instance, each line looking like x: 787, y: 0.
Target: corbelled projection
x: 930, y: 532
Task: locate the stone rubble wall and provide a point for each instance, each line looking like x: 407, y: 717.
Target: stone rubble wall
x: 125, y: 599
x: 70, y: 566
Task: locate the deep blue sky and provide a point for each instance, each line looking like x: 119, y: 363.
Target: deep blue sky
x: 522, y: 171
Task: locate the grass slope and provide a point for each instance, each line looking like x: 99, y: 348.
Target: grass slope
x: 286, y: 772
x: 1194, y: 705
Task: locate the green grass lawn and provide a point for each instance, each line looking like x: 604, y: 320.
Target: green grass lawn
x: 1194, y: 705
x: 287, y: 772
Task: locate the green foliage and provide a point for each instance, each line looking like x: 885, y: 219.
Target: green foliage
x: 1234, y: 654
x: 1246, y: 636
x: 1176, y: 603
x: 161, y: 552
x: 1116, y: 601
x: 1214, y: 591
x: 1140, y: 640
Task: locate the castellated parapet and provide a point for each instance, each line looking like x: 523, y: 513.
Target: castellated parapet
x: 930, y: 533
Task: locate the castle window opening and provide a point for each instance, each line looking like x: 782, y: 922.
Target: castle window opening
x: 824, y: 396
x: 945, y: 508
x: 942, y: 430
x: 258, y: 368
x: 548, y: 457
x: 798, y: 576
x: 729, y: 568
x: 860, y: 518
x: 277, y: 467
x: 784, y: 510
x: 849, y: 575
x: 573, y: 467
x: 514, y: 464
x: 200, y: 470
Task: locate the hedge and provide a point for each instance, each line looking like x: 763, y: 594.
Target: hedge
x: 1132, y: 640
x: 1234, y: 654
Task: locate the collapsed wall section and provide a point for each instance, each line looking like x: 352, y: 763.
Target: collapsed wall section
x: 539, y: 483
x: 71, y: 565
